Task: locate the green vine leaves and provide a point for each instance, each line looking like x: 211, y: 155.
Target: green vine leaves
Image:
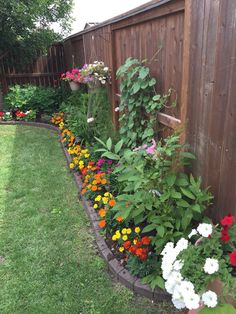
x: 139, y: 103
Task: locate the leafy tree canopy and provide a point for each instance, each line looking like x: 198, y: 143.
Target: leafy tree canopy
x: 25, y: 25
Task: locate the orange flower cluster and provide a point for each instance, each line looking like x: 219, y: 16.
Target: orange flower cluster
x: 57, y: 118
x: 139, y: 247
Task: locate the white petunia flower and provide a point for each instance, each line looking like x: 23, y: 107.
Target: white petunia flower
x: 209, y: 298
x: 186, y: 287
x: 168, y: 247
x: 89, y: 120
x: 178, y: 265
x: 178, y: 304
x: 192, y: 233
x: 181, y: 245
x: 176, y: 277
x: 211, y: 266
x: 103, y: 82
x: 105, y: 69
x: 170, y: 285
x: 117, y: 109
x: 205, y: 230
x: 192, y: 301
x: 166, y: 271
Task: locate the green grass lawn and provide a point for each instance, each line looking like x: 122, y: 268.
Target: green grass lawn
x: 48, y: 260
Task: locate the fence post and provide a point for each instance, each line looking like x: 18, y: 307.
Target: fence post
x: 185, y: 69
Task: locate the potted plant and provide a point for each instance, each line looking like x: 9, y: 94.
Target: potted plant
x: 194, y: 267
x: 95, y: 74
x: 73, y: 77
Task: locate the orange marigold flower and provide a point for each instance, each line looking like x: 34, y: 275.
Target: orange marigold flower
x: 120, y: 218
x: 94, y: 188
x: 102, y: 212
x: 102, y: 223
x: 99, y: 188
x: 83, y: 191
x: 112, y: 203
x: 103, y: 181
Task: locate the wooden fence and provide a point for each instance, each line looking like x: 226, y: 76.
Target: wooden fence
x: 45, y: 70
x: 191, y: 47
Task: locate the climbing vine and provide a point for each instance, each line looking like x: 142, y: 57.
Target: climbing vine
x: 139, y: 103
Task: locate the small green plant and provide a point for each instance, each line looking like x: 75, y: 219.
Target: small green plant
x: 139, y: 103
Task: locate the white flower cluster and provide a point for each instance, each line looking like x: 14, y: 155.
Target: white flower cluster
x: 182, y: 290
x: 89, y: 120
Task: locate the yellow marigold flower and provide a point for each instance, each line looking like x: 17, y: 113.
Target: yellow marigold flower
x: 105, y: 200
x: 76, y: 160
x: 129, y: 230
x: 72, y: 165
x: 114, y: 238
x: 81, y: 163
x: 94, y: 182
x: 89, y: 186
x: 135, y: 242
x: 70, y: 151
x: 125, y: 237
x: 121, y: 249
x: 98, y: 198
x: 137, y: 229
x: 86, y: 155
x: 81, y: 166
x: 95, y: 206
x: 106, y: 194
x: 84, y: 151
x: 124, y: 231
x: 118, y: 235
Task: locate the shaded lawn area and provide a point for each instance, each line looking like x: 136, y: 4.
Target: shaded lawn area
x: 49, y: 263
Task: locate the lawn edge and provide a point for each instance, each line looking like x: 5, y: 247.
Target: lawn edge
x: 114, y: 266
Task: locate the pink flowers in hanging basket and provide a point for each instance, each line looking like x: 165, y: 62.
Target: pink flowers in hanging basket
x: 73, y: 76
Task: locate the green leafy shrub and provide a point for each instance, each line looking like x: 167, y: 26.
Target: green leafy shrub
x: 39, y: 98
x: 139, y: 103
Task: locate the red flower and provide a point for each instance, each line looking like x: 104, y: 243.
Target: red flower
x: 227, y: 220
x: 146, y: 240
x: 232, y: 257
x: 139, y: 243
x: 1, y: 113
x: 141, y: 253
x: 225, y: 234
x: 133, y: 249
x: 127, y: 244
x: 20, y: 114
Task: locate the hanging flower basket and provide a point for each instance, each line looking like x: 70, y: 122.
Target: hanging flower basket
x: 74, y: 86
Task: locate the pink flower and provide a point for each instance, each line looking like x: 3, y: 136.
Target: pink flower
x: 151, y: 149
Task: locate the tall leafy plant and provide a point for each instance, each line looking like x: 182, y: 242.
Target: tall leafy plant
x: 139, y: 103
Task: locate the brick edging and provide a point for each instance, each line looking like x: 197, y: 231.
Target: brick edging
x: 120, y: 273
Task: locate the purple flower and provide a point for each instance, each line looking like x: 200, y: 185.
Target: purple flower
x: 109, y: 171
x: 151, y: 149
x: 110, y: 162
x: 100, y: 162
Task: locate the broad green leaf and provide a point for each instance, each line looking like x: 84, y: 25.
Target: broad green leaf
x: 111, y: 156
x: 143, y: 73
x: 100, y: 141
x: 197, y: 208
x: 188, y: 193
x: 148, y: 228
x: 118, y: 146
x: 156, y: 97
x: 152, y: 82
x: 160, y: 231
x: 109, y: 143
x: 136, y: 88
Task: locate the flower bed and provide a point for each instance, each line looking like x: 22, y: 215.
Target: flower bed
x: 132, y: 244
